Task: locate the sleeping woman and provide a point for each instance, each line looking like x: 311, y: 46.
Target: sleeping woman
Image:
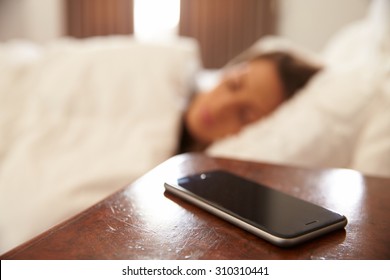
x: 246, y: 93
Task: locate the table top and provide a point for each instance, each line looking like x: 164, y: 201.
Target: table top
x: 141, y: 221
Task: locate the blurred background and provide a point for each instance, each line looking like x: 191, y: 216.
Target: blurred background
x: 223, y: 27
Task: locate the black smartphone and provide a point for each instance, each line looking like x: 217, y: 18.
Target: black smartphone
x: 281, y: 219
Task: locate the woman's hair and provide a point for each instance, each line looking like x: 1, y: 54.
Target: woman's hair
x: 293, y: 71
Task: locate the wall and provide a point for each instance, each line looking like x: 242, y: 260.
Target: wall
x: 312, y: 22
x: 38, y: 20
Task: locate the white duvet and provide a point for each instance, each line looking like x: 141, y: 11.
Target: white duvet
x: 80, y: 119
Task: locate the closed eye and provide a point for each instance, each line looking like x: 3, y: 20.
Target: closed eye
x: 234, y: 84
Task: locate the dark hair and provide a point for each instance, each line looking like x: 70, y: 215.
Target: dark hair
x: 293, y: 71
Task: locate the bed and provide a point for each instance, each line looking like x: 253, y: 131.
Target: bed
x: 80, y: 119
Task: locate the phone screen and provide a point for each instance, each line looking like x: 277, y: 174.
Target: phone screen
x: 272, y: 211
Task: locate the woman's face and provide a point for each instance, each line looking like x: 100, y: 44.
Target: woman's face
x: 245, y: 94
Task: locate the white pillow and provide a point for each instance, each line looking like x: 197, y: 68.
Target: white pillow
x: 365, y: 40
x: 272, y: 43
x: 372, y: 152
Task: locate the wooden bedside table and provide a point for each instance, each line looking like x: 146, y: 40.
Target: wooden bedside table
x: 142, y: 222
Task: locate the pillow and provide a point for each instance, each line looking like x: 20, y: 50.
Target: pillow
x: 372, y: 152
x: 274, y: 43
x: 207, y: 79
x: 362, y: 40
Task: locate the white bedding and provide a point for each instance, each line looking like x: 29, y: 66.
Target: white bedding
x: 80, y: 119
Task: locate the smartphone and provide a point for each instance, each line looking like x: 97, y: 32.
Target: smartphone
x: 279, y: 218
